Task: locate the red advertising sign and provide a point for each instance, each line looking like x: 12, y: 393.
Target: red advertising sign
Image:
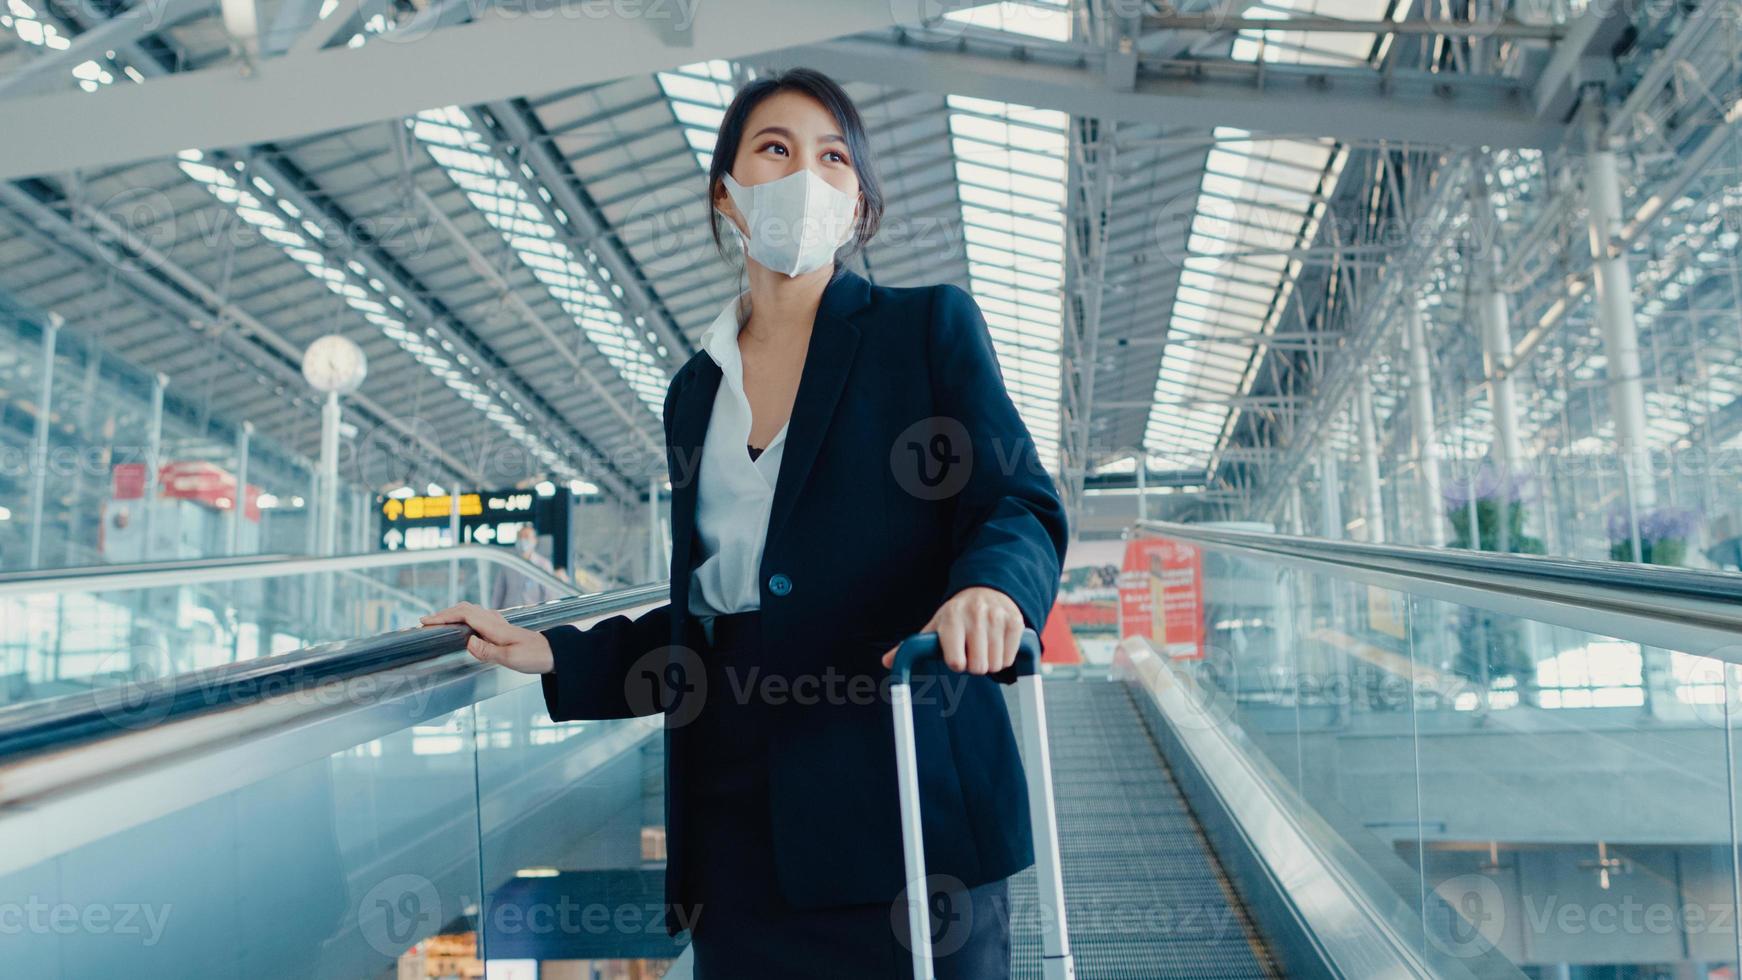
x: 1162, y: 575
x: 205, y: 483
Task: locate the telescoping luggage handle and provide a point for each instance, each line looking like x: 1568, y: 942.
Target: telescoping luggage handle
x: 1037, y: 762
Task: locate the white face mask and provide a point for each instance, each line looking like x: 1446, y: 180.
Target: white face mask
x: 796, y: 223
x: 525, y: 545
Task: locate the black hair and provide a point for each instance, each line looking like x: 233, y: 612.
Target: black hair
x: 829, y: 93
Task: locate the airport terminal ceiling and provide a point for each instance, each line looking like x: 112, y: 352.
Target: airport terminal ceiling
x: 311, y: 310
x: 1203, y: 235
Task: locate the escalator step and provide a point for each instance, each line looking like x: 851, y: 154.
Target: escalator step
x: 1144, y: 895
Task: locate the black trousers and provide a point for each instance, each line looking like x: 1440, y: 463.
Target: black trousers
x: 743, y: 928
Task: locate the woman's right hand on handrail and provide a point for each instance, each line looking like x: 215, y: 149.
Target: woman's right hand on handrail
x: 495, y: 640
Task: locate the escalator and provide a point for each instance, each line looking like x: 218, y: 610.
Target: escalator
x: 387, y: 806
x: 342, y: 810
x: 1144, y: 893
x: 331, y: 810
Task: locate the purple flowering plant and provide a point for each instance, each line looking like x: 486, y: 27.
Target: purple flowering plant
x: 1664, y: 533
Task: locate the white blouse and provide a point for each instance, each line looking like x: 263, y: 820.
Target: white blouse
x: 734, y: 493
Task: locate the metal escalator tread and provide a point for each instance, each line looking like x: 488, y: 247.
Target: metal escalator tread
x: 1144, y: 894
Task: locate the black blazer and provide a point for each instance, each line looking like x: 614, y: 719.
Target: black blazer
x: 907, y: 476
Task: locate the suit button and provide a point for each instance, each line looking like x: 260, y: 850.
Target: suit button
x: 779, y: 584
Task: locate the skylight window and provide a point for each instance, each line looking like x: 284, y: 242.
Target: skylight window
x: 367, y: 296
x: 33, y: 28
x: 1010, y: 177
x: 1010, y: 173
x: 574, y: 281
x: 698, y: 95
x: 1259, y: 202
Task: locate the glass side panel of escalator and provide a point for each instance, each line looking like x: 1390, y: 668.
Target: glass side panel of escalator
x: 1535, y: 798
x: 483, y: 831
x: 63, y: 642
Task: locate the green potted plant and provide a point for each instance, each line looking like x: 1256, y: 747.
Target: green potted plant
x: 1664, y: 533
x: 1490, y: 645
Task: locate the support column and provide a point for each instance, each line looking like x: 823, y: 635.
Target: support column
x: 327, y: 507
x: 1328, y: 661
x: 1425, y: 449
x: 653, y: 541
x: 39, y: 445
x: 1367, y: 427
x: 454, y: 537
x: 1502, y: 396
x: 239, y: 505
x: 363, y: 538
x: 1330, y: 493
x: 1496, y: 327
x: 1620, y: 331
x: 87, y: 426
x: 153, y: 465
x: 1142, y: 490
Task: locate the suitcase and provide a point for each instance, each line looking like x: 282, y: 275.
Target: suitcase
x: 1037, y: 762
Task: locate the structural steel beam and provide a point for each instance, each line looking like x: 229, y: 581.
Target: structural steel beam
x: 1217, y: 23
x: 499, y: 55
x: 1280, y: 100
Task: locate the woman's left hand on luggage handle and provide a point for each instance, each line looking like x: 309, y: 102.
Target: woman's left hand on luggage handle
x: 979, y: 630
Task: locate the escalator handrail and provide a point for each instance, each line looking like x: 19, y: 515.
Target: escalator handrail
x: 1655, y: 580
x: 147, y: 575
x: 1696, y: 611
x: 69, y: 572
x: 61, y: 722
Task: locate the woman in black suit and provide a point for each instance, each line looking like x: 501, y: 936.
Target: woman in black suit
x: 847, y: 469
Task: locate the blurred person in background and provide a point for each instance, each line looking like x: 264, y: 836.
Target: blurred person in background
x: 512, y: 588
